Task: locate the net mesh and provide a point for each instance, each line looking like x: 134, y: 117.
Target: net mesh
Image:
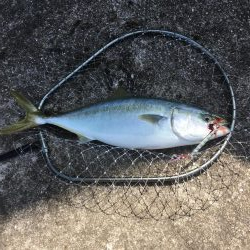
x: 131, y: 182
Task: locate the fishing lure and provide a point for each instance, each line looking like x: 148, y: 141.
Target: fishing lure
x: 129, y: 122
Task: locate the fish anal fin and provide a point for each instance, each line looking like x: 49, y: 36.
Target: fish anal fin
x: 151, y: 118
x: 83, y: 139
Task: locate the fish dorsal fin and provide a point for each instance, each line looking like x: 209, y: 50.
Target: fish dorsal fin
x: 83, y: 139
x: 119, y: 93
x: 151, y: 118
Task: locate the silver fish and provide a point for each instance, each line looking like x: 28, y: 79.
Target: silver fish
x: 141, y: 123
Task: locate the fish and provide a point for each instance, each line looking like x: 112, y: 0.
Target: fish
x: 128, y: 122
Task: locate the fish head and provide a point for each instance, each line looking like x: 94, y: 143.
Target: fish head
x: 195, y: 124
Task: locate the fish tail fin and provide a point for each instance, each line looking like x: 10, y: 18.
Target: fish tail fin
x: 29, y: 121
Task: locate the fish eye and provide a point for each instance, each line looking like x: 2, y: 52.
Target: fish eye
x: 207, y: 119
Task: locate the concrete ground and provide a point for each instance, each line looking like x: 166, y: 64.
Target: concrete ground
x: 43, y: 40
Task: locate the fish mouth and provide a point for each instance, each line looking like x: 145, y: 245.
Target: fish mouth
x: 220, y: 126
x: 218, y: 121
x: 223, y: 123
x: 223, y: 129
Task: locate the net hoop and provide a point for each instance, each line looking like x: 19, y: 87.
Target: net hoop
x: 138, y: 180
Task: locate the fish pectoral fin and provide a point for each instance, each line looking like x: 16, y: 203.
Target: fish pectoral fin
x: 84, y: 139
x: 153, y: 119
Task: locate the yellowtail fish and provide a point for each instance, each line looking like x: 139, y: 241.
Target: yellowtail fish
x: 141, y: 123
